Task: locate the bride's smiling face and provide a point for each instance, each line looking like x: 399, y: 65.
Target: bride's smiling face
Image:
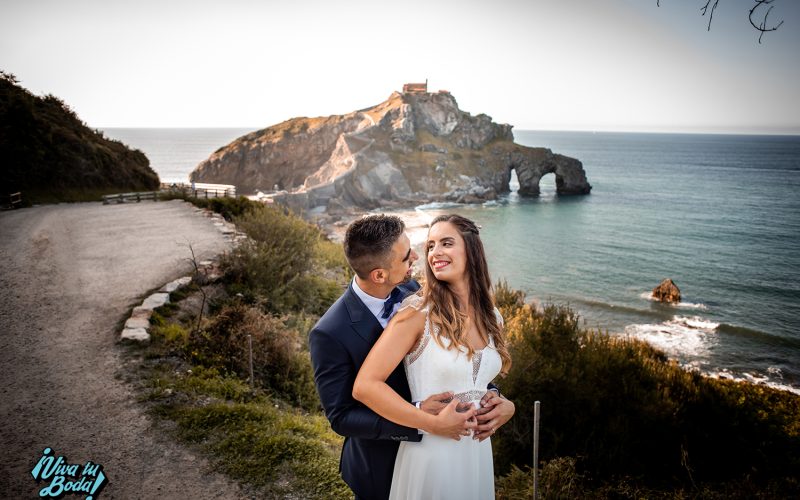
x: 446, y: 252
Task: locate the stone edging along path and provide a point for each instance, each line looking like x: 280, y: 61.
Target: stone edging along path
x: 69, y: 273
x: 136, y: 327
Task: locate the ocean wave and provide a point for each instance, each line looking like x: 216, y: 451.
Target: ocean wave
x: 754, y: 378
x: 679, y: 336
x: 759, y: 336
x: 437, y: 205
x: 681, y: 305
x: 691, y: 339
x: 617, y: 307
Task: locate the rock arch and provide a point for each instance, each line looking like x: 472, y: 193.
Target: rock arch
x: 533, y: 163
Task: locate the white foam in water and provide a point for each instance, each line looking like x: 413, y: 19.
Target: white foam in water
x: 694, y: 337
x: 775, y: 372
x: 697, y: 322
x: 680, y: 336
x: 437, y: 205
x: 756, y: 379
x: 682, y: 305
x: 689, y: 305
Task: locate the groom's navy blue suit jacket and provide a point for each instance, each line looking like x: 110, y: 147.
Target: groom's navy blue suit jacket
x: 339, y: 343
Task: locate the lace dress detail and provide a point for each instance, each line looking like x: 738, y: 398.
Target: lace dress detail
x: 415, y: 302
x: 476, y: 365
x: 437, y: 467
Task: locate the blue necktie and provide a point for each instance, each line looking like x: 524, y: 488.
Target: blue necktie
x: 388, y: 306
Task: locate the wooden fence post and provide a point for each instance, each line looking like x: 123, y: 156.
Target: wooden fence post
x: 250, y: 341
x: 536, y: 450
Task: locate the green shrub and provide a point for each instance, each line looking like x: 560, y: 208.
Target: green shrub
x: 171, y: 333
x: 280, y: 266
x: 229, y: 208
x: 280, y: 361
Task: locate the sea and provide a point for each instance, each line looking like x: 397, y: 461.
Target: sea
x: 717, y: 214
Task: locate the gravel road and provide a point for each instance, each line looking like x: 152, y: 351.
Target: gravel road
x: 68, y: 275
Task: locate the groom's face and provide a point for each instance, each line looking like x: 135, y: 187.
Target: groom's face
x: 400, y: 268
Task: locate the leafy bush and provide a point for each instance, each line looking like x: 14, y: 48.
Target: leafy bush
x: 280, y: 361
x: 282, y: 266
x: 626, y: 413
x: 229, y: 208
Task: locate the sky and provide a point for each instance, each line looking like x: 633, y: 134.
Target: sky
x: 622, y: 65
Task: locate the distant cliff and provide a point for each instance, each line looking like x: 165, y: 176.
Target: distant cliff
x: 415, y: 147
x: 49, y: 154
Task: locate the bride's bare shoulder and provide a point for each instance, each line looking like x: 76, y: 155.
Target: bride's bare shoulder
x: 410, y: 316
x: 414, y: 301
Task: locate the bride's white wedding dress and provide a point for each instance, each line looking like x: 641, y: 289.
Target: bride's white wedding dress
x: 438, y: 467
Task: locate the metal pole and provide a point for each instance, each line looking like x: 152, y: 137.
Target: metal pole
x: 536, y: 450
x: 250, y: 341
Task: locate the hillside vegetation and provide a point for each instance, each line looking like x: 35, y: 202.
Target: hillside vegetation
x: 50, y: 155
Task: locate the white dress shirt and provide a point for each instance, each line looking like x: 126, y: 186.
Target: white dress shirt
x: 374, y: 304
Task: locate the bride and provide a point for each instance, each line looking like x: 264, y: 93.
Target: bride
x: 450, y: 339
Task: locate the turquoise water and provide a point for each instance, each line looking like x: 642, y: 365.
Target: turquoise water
x: 719, y: 214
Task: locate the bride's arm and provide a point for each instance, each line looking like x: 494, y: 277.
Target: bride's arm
x: 370, y: 387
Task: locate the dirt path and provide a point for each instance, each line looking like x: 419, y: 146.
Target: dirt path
x: 68, y: 275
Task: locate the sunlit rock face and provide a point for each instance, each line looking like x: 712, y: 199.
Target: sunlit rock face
x: 667, y: 291
x: 412, y: 148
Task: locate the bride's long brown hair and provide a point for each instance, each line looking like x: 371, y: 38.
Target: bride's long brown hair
x: 444, y: 305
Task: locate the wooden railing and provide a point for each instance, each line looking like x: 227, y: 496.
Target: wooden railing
x: 14, y: 200
x: 123, y: 197
x: 202, y: 190
x: 195, y: 190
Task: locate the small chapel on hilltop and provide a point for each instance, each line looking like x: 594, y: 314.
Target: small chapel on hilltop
x: 416, y: 88
x: 419, y: 88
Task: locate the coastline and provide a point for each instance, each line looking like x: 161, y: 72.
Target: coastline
x: 601, y: 252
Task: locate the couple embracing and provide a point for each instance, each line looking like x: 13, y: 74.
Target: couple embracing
x: 405, y: 375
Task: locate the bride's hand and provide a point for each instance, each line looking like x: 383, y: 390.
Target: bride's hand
x: 451, y: 423
x: 495, y: 411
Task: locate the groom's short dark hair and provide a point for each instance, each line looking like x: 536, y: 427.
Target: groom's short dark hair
x: 368, y: 242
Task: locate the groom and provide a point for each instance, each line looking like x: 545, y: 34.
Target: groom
x: 380, y: 253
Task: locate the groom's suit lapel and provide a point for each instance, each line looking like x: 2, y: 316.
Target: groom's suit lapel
x: 361, y: 319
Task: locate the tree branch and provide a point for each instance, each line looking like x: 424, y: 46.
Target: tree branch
x: 713, y: 8
x: 762, y: 27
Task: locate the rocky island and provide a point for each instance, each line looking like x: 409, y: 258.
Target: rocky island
x: 415, y: 147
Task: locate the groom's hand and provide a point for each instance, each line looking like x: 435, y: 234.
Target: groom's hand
x: 452, y: 423
x: 495, y: 411
x: 436, y: 403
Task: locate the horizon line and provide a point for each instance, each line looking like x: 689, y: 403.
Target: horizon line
x: 791, y: 133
